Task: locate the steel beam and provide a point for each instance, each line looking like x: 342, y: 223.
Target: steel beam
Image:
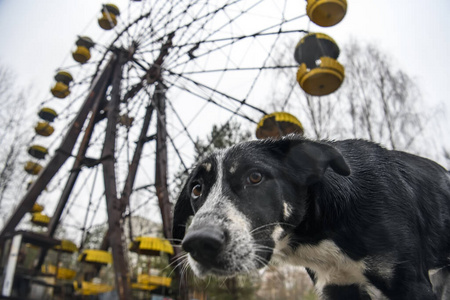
x: 76, y: 167
x: 109, y: 175
x: 161, y: 161
x: 61, y: 154
x: 132, y: 170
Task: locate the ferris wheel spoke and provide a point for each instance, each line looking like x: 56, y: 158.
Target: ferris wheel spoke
x: 274, y: 67
x: 234, y: 39
x: 229, y: 41
x: 183, y: 125
x: 75, y: 199
x: 157, y: 19
x: 207, y: 17
x: 212, y: 101
x: 91, y: 195
x: 196, y: 45
x: 215, y: 91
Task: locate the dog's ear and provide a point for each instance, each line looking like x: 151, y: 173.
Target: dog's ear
x: 311, y: 159
x: 182, y: 212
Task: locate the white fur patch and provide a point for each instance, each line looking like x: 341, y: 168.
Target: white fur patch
x: 326, y: 259
x: 207, y: 167
x: 215, y: 195
x: 233, y: 168
x: 277, y: 232
x: 287, y: 210
x: 237, y: 218
x: 433, y: 271
x: 380, y: 266
x: 375, y: 293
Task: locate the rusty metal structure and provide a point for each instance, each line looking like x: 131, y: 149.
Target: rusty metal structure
x: 95, y: 104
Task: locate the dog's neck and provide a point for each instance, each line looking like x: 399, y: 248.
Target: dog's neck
x: 327, y: 210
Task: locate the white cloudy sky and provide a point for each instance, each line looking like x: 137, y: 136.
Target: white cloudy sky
x: 37, y: 36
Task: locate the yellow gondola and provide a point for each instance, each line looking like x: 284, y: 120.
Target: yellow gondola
x: 87, y: 288
x: 66, y: 246
x: 319, y: 73
x: 150, y: 246
x: 143, y: 286
x: 326, y: 13
x: 63, y: 273
x: 64, y: 77
x: 154, y: 280
x: 61, y: 87
x: 40, y: 219
x: 108, y: 20
x: 278, y: 124
x: 47, y: 114
x: 60, y: 90
x: 37, y: 208
x: 32, y: 168
x: 314, y: 46
x: 82, y: 54
x: 44, y: 129
x: 95, y: 256
x: 37, y: 151
x: 323, y: 80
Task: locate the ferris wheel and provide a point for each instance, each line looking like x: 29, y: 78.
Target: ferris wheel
x: 134, y: 101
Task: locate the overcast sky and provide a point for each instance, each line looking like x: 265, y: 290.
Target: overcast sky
x: 38, y: 36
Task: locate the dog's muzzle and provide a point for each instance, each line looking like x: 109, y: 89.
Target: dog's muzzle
x: 205, y: 244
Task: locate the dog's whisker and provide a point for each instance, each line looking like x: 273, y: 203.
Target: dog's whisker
x: 181, y: 263
x: 184, y: 271
x: 185, y: 268
x: 270, y: 225
x: 181, y: 255
x: 177, y: 259
x: 223, y: 282
x: 266, y: 249
x: 171, y: 240
x: 209, y: 282
x: 180, y: 260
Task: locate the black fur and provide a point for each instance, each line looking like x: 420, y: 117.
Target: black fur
x: 385, y: 207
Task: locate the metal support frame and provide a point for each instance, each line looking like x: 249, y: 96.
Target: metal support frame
x: 165, y: 205
x: 111, y: 74
x: 76, y: 167
x: 132, y: 170
x: 61, y: 154
x: 161, y: 161
x: 109, y: 177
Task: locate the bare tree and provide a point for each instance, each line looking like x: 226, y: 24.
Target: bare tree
x: 382, y: 102
x: 12, y: 103
x: 376, y: 101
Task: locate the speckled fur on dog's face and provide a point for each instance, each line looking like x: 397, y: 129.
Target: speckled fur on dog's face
x: 253, y: 215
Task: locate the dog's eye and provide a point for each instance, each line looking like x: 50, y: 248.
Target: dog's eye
x: 196, y: 191
x: 255, y: 178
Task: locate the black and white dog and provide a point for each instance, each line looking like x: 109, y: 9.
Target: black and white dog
x: 365, y: 221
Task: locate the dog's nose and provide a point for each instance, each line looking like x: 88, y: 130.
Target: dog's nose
x: 204, y: 244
